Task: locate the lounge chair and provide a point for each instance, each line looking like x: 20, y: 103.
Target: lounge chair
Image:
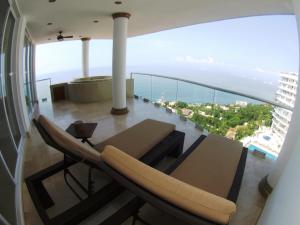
x: 149, y: 141
x: 201, y: 188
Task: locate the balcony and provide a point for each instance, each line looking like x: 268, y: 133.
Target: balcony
x: 289, y: 88
x: 250, y: 202
x: 39, y: 156
x: 218, y: 110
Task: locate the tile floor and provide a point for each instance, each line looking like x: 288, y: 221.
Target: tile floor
x: 39, y: 156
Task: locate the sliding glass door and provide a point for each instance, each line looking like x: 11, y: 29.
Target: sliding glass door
x: 8, y: 86
x: 9, y: 129
x: 28, y: 74
x: 7, y: 195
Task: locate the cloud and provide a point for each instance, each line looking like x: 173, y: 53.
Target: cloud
x: 261, y: 70
x: 195, y: 60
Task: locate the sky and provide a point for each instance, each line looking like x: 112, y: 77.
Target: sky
x: 263, y: 44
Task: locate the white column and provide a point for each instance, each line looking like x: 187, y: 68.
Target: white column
x: 283, y: 204
x: 119, y: 63
x: 85, y: 56
x: 293, y: 133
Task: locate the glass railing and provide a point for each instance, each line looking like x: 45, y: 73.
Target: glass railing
x: 226, y: 112
x: 44, y: 96
x: 43, y: 89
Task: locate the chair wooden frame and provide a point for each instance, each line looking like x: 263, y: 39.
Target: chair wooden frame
x: 171, y: 145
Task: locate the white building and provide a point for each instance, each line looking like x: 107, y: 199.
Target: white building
x: 285, y: 95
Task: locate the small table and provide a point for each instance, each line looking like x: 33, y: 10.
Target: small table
x: 82, y: 131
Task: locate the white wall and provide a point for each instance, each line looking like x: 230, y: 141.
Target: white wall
x: 293, y: 131
x: 283, y: 205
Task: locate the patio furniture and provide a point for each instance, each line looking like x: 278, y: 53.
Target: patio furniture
x: 83, y: 131
x: 201, y: 188
x: 149, y: 141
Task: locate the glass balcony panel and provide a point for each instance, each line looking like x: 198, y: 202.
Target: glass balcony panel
x: 260, y: 125
x: 192, y: 93
x: 142, y: 86
x: 225, y: 98
x: 44, y: 96
x: 163, y: 89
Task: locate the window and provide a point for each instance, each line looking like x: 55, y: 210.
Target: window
x: 28, y: 74
x: 9, y: 130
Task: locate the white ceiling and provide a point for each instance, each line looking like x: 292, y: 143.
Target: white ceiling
x: 75, y: 17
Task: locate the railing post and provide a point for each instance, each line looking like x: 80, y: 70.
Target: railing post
x: 176, y: 90
x: 151, y: 88
x: 214, y: 96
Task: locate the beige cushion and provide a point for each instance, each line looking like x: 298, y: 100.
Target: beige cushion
x: 68, y: 142
x: 140, y: 138
x: 185, y: 196
x: 212, y: 165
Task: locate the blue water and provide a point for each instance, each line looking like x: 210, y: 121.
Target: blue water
x: 157, y: 89
x: 248, y: 82
x: 269, y: 155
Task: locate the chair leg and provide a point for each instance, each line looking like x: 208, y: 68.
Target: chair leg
x: 88, y: 191
x: 67, y: 172
x: 90, y: 182
x: 133, y: 219
x: 136, y: 217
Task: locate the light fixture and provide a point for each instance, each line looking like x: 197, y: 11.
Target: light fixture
x: 96, y: 21
x: 49, y: 24
x: 51, y: 1
x: 118, y: 2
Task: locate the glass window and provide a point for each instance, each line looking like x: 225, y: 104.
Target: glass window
x: 3, y: 12
x: 28, y: 84
x: 7, y: 195
x: 9, y: 127
x: 7, y: 87
x: 8, y: 153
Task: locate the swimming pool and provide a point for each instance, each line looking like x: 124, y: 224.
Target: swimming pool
x: 268, y: 154
x: 267, y: 138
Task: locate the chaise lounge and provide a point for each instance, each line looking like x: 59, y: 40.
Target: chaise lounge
x: 148, y: 141
x: 201, y: 188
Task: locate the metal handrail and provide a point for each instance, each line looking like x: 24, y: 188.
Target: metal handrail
x: 216, y: 88
x: 43, y: 80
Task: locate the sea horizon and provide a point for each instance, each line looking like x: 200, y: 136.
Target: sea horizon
x: 254, y: 83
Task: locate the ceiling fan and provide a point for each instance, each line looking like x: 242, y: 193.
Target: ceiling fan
x: 60, y: 37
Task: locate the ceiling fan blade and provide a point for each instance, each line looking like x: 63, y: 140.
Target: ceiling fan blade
x: 71, y: 36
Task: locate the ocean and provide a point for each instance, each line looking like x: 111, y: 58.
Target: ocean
x: 253, y: 83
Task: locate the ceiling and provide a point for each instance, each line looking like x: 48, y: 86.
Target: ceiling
x: 75, y: 17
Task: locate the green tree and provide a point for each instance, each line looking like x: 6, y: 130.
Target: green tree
x: 181, y: 105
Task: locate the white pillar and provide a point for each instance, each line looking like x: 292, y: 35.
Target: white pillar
x: 283, y: 204
x: 282, y: 207
x: 85, y: 56
x: 119, y: 63
x: 293, y: 132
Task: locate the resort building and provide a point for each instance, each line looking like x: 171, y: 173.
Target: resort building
x: 285, y: 95
x: 125, y: 177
